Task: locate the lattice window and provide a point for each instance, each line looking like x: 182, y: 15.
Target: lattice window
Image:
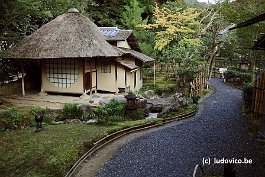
x: 106, y: 68
x: 62, y: 72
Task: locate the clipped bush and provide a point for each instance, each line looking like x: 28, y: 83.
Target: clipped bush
x: 72, y: 111
x: 237, y: 75
x: 11, y: 119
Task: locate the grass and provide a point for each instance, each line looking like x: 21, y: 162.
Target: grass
x: 52, y: 151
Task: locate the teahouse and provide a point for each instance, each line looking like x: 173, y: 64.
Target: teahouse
x: 75, y: 56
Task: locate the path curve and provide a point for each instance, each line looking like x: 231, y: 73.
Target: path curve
x: 217, y: 131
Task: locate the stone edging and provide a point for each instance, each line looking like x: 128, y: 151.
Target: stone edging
x: 109, y: 138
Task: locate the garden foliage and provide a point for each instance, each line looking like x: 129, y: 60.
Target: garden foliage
x: 248, y: 96
x: 237, y: 75
x: 113, y: 111
x: 72, y: 111
x: 11, y: 119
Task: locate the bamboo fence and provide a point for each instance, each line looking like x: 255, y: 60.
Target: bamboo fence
x: 259, y: 97
x: 198, y: 84
x: 162, y: 70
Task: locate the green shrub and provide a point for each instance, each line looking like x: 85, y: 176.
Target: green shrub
x: 11, y: 119
x: 137, y: 114
x: 195, y: 98
x: 237, y: 75
x: 115, y: 108
x: 37, y: 110
x: 47, y: 119
x: 158, y: 88
x: 248, y: 96
x: 113, y: 111
x: 72, y: 111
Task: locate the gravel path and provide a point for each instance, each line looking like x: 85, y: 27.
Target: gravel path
x: 217, y: 131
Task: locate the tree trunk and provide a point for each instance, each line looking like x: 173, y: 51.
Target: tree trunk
x: 211, y: 62
x: 253, y: 66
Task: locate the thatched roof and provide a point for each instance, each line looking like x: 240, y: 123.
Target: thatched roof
x: 70, y: 35
x: 138, y: 55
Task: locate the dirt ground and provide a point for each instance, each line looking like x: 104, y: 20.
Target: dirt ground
x: 11, y: 96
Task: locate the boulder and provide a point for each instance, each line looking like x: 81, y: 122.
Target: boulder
x: 86, y: 109
x: 150, y: 94
x: 140, y: 96
x: 164, y: 111
x: 165, y: 95
x: 181, y: 99
x: 54, y: 114
x: 178, y: 95
x: 160, y: 103
x: 149, y: 106
x: 57, y: 122
x: 157, y: 108
x: 103, y: 102
x: 175, y: 106
x: 73, y: 121
x: 121, y: 100
x: 141, y: 103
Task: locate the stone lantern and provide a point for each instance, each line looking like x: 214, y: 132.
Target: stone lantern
x: 131, y: 102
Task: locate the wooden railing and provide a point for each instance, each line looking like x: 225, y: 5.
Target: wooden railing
x: 259, y: 97
x: 198, y: 84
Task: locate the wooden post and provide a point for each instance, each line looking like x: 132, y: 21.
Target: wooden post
x: 154, y: 73
x: 84, y: 77
x: 253, y: 65
x: 41, y: 82
x: 254, y: 98
x: 116, y: 78
x: 263, y: 107
x: 23, y: 83
x: 125, y: 82
x: 90, y: 79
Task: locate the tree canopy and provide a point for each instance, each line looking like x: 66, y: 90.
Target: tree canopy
x: 182, y: 32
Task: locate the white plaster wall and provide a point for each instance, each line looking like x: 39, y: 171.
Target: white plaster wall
x: 94, y: 80
x: 121, y: 76
x: 106, y: 81
x: 130, y: 80
x: 139, y: 82
x: 129, y: 77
